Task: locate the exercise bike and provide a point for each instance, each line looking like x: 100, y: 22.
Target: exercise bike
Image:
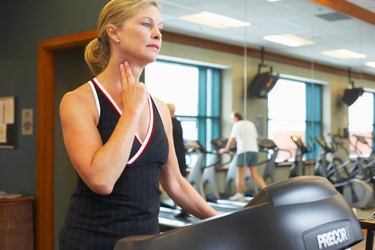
x: 284, y: 215
x: 327, y: 161
x: 271, y: 149
x: 266, y: 146
x: 298, y: 168
x: 364, y: 167
x: 356, y: 192
x: 171, y: 216
x: 202, y: 174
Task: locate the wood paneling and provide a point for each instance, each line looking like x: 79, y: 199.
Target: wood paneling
x: 17, y: 223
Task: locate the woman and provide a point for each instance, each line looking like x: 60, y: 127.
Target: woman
x: 119, y: 138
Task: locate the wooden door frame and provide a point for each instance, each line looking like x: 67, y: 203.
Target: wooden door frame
x: 44, y: 202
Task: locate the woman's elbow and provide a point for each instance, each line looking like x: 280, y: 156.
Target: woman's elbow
x: 101, y: 188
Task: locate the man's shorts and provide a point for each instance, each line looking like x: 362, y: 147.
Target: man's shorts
x: 247, y: 159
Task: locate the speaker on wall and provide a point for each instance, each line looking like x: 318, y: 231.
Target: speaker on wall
x: 262, y: 84
x: 351, y: 95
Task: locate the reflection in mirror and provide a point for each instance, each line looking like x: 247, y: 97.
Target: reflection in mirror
x: 299, y: 38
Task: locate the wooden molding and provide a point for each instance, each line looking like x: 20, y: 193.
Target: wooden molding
x: 68, y: 42
x: 45, y: 158
x: 255, y: 53
x: 44, y: 204
x: 349, y: 9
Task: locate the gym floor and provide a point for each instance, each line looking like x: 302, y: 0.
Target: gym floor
x: 360, y: 246
x: 361, y: 213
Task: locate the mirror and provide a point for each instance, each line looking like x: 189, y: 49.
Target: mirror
x: 239, y: 50
x: 325, y: 28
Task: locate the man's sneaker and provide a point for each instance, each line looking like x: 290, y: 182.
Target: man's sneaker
x: 237, y: 197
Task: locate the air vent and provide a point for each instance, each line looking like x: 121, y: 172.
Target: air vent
x: 333, y: 16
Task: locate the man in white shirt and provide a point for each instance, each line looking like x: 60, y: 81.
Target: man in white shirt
x: 245, y: 134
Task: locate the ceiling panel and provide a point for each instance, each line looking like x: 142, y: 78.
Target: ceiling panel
x: 296, y: 17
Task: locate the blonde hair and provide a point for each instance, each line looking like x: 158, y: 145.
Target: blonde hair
x: 115, y: 12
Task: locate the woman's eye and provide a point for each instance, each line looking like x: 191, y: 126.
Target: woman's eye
x: 148, y: 25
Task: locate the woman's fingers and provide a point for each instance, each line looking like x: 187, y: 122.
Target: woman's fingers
x: 134, y: 95
x: 129, y: 73
x: 124, y: 72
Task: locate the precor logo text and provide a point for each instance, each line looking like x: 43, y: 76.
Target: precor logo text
x: 333, y: 237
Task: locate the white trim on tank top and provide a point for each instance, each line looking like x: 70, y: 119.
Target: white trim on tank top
x: 151, y: 125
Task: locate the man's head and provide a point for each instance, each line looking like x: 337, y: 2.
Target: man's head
x: 236, y: 116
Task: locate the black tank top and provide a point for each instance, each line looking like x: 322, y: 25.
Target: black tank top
x: 97, y: 222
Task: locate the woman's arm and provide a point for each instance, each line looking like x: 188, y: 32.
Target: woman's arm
x: 176, y: 186
x: 100, y: 165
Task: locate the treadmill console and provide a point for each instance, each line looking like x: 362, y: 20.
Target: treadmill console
x: 300, y: 213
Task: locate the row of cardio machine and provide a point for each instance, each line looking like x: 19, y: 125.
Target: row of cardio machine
x: 285, y: 215
x: 354, y: 179
x: 203, y: 165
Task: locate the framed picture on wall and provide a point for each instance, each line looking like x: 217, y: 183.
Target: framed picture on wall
x: 7, y: 122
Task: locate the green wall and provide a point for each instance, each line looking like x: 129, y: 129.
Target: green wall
x: 23, y: 25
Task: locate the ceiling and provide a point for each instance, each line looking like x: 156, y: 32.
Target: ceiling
x: 328, y: 28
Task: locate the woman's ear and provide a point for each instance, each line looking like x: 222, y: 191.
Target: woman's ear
x: 112, y: 33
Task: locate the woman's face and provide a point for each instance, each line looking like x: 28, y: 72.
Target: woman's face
x: 140, y: 36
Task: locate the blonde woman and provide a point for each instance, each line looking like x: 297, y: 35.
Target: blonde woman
x: 119, y: 138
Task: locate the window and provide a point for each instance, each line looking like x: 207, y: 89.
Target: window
x: 361, y: 120
x: 294, y: 108
x: 194, y: 90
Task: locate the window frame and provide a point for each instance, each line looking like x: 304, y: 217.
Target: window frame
x: 352, y: 153
x: 209, y: 101
x: 314, y: 113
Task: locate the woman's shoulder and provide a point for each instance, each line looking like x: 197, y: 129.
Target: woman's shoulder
x: 79, y: 104
x: 80, y: 95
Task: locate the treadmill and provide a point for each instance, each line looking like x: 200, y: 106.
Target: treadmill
x: 202, y: 176
x: 300, y: 213
x: 171, y: 216
x: 251, y: 189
